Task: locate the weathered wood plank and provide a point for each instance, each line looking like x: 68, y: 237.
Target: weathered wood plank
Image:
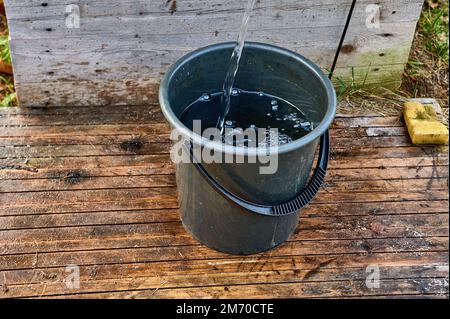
x: 58, y: 64
x: 105, y: 133
x: 93, y: 64
x: 380, y: 208
x: 65, y: 219
x: 84, y: 115
x: 16, y: 203
x: 186, y: 253
x: 318, y: 209
x: 148, y: 135
x: 346, y: 288
x: 433, y: 263
x: 102, y: 92
x: 134, y: 208
x: 306, y: 268
x: 368, y: 122
x: 124, y: 236
x: 33, y: 9
x: 123, y: 147
x: 123, y: 110
x: 133, y: 116
x: 420, y: 274
x: 336, y: 183
x: 387, y: 152
x: 136, y: 146
x: 27, y: 118
x: 87, y: 130
x: 98, y: 92
x: 135, y: 165
x: 92, y: 166
x: 127, y: 20
x: 91, y: 218
x: 62, y: 110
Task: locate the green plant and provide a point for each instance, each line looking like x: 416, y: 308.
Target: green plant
x: 351, y: 87
x: 415, y: 64
x: 7, y: 94
x: 435, y: 28
x: 5, y: 54
x: 9, y: 100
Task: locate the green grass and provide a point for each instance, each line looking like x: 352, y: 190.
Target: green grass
x: 5, y: 53
x: 7, y: 92
x: 9, y: 100
x: 433, y: 26
x: 415, y: 65
x: 346, y: 89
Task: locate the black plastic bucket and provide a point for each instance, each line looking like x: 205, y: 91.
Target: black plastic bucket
x: 232, y: 207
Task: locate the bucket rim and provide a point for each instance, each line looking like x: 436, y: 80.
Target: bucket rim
x: 241, y: 150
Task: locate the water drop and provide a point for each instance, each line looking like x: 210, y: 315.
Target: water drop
x: 229, y: 123
x: 205, y: 97
x: 306, y: 124
x: 274, y: 104
x: 235, y: 92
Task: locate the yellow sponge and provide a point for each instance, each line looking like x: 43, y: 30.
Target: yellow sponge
x: 423, y: 125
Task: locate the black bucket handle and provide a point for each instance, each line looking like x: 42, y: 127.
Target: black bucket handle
x: 291, y: 206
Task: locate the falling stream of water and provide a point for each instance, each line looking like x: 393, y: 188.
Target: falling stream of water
x: 234, y: 65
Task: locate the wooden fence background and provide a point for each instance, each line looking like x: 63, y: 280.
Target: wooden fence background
x: 123, y: 47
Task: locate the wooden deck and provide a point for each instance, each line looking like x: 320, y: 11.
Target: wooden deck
x: 94, y: 187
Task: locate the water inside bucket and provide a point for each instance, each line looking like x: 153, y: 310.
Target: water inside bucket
x: 282, y: 121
